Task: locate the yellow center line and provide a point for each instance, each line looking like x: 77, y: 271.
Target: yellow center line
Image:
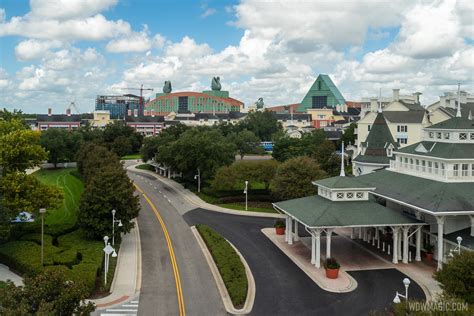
x: 179, y: 291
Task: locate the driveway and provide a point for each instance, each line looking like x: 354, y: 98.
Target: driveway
x: 283, y: 289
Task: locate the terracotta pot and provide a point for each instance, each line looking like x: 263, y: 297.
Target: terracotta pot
x: 280, y: 230
x: 429, y: 257
x: 332, y: 273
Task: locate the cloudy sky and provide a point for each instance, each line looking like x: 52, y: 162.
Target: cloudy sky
x: 56, y: 51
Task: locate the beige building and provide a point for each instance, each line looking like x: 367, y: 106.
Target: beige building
x: 100, y: 118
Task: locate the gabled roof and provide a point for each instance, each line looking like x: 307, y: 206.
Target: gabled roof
x: 412, y: 106
x: 454, y: 123
x: 432, y: 195
x: 404, y: 116
x: 440, y: 150
x: 315, y: 211
x: 341, y: 183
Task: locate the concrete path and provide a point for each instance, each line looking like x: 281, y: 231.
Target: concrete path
x: 127, y: 279
x: 6, y: 274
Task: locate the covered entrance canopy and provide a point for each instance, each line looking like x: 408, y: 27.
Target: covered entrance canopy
x: 344, y: 202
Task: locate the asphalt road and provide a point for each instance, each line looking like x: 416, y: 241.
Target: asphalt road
x: 283, y: 289
x: 158, y: 294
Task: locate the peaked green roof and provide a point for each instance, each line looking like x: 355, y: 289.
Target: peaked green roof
x: 316, y: 211
x: 332, y: 87
x: 441, y: 150
x: 342, y: 183
x: 377, y: 141
x: 454, y: 123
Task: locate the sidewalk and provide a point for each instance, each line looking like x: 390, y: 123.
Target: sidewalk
x: 127, y: 279
x: 300, y: 255
x: 195, y: 200
x: 6, y: 274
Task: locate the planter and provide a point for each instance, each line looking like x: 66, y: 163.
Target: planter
x: 429, y: 257
x: 280, y: 230
x: 332, y: 273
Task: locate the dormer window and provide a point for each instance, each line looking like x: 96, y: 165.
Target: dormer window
x: 462, y: 136
x: 389, y: 152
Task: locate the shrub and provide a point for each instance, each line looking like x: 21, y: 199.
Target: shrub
x: 229, y: 264
x: 280, y: 224
x: 331, y: 263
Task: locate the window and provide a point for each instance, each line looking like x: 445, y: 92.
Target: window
x: 455, y: 170
x: 368, y: 128
x: 430, y: 167
x: 436, y: 167
x: 411, y: 163
x: 360, y: 195
x: 402, y: 140
x: 431, y: 134
x: 446, y: 135
x: 423, y: 166
x: 340, y: 196
x: 319, y: 102
x: 402, y: 128
x: 321, y: 116
x: 472, y: 170
x: 462, y: 136
x: 465, y: 170
x: 417, y: 164
x: 438, y: 135
x: 350, y: 195
x: 389, y: 152
x: 406, y: 160
x: 319, y: 85
x: 442, y: 169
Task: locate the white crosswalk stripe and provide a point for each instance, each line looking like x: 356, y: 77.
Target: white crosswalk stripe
x: 129, y: 308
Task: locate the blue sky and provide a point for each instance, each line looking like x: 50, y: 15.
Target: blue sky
x: 263, y: 49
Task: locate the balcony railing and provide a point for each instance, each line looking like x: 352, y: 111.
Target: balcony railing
x: 431, y: 172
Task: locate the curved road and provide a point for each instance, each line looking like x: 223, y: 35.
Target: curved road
x: 281, y: 287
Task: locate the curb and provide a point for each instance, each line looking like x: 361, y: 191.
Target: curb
x: 229, y: 306
x: 353, y: 283
x: 207, y: 206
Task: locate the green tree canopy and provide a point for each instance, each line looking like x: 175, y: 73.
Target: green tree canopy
x: 349, y: 135
x: 121, y: 129
x: 293, y: 178
x: 286, y: 147
x: 245, y: 141
x: 329, y: 161
x: 59, y: 144
x: 48, y: 293
x: 457, y: 278
x: 262, y: 123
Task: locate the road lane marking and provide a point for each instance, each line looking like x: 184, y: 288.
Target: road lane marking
x: 179, y: 290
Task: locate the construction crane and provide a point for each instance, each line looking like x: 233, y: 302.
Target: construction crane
x: 141, y: 95
x: 73, y: 105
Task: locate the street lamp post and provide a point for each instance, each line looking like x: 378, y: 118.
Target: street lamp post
x: 246, y: 192
x: 198, y: 177
x: 396, y: 300
x: 42, y: 212
x: 108, y: 249
x: 113, y: 226
x: 458, y: 247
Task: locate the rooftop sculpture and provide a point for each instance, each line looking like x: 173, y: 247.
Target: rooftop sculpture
x: 216, y: 84
x: 167, y: 87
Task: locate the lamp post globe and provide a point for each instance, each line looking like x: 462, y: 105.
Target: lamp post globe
x: 406, y: 281
x: 106, y: 239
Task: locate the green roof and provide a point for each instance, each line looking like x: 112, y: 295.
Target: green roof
x: 377, y: 141
x: 441, y: 150
x: 412, y: 106
x: 454, y: 123
x: 342, y: 183
x: 316, y: 211
x: 432, y: 195
x: 404, y: 116
x: 332, y: 87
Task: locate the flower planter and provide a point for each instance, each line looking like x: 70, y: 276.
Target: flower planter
x: 280, y: 230
x: 429, y: 257
x: 332, y: 273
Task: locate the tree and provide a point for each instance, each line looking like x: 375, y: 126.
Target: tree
x: 48, y: 293
x: 200, y: 148
x: 120, y: 128
x: 245, y: 141
x: 293, y: 178
x: 349, y: 135
x: 327, y: 158
x: 107, y: 188
x: 122, y: 146
x: 456, y: 278
x: 225, y: 179
x: 56, y: 142
x: 262, y: 123
x: 92, y: 157
x: 286, y: 147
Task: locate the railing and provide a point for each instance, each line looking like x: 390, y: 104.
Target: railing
x: 431, y: 172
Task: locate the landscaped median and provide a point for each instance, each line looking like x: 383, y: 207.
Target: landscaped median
x: 234, y: 272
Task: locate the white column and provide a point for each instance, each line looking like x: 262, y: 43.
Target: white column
x: 418, y: 244
x: 360, y: 232
x: 364, y: 231
x: 290, y: 231
x: 377, y: 236
x: 440, y: 220
x: 395, y: 243
x: 296, y: 231
x: 399, y: 245
x: 328, y: 243
x: 318, y: 248
x: 287, y: 225
x: 313, y: 248
x: 405, y: 244
x: 352, y: 232
x: 472, y: 224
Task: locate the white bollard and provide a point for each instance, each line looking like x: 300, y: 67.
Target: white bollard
x: 388, y: 249
x: 383, y: 246
x: 409, y: 256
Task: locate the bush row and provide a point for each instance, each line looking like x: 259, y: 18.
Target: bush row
x: 229, y: 264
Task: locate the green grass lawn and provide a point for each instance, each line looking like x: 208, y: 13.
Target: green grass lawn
x: 229, y: 264
x: 145, y: 166
x: 241, y: 207
x: 131, y: 157
x: 66, y: 247
x: 72, y: 187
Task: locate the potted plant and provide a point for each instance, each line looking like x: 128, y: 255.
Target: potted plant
x: 280, y: 227
x: 429, y: 252
x: 332, y: 268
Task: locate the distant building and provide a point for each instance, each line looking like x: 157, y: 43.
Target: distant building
x: 146, y: 125
x: 67, y: 121
x: 100, y: 119
x: 118, y: 105
x: 322, y: 94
